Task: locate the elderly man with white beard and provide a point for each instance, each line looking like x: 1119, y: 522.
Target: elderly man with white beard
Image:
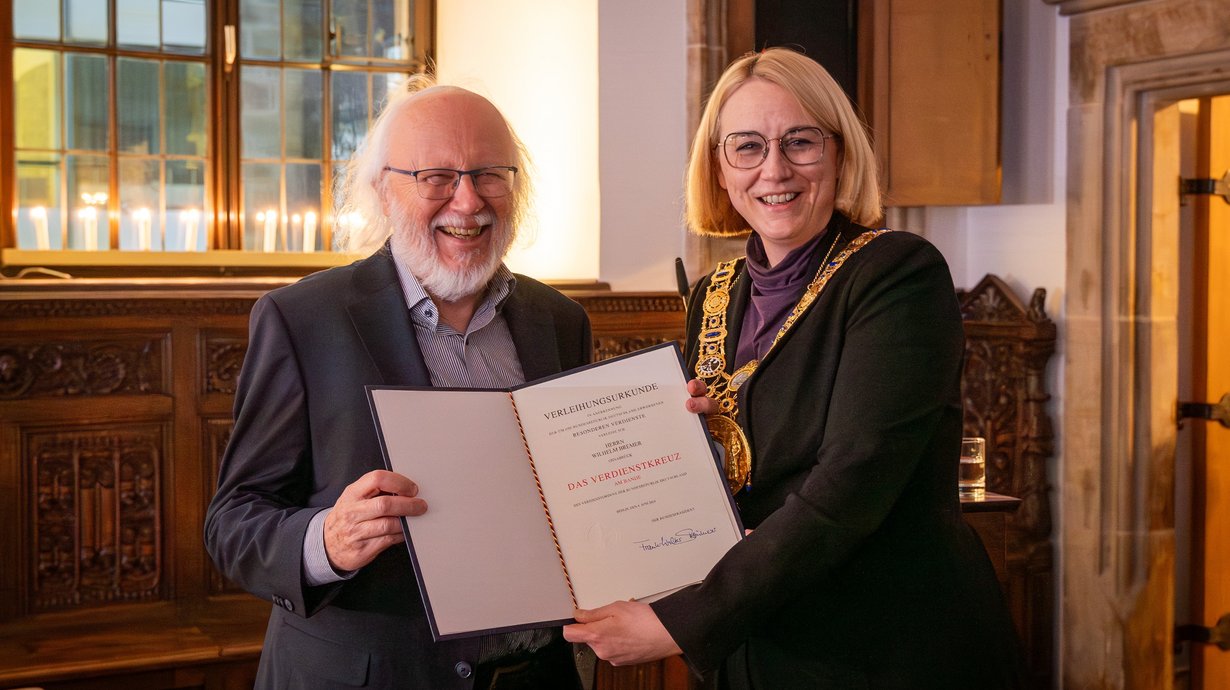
x: 304, y: 515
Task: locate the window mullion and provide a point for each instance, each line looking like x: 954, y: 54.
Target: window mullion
x: 225, y: 153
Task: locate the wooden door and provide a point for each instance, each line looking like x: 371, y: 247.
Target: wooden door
x: 1211, y: 374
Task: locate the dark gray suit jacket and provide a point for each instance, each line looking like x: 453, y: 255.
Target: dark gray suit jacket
x: 860, y: 571
x: 304, y: 431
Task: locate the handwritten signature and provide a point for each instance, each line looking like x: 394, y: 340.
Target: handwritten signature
x: 683, y: 536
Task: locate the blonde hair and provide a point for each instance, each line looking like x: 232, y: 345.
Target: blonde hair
x: 362, y: 226
x: 708, y: 207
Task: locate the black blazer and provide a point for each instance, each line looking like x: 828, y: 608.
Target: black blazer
x: 303, y: 432
x: 860, y: 571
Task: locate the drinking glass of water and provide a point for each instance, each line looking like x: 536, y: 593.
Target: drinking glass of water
x: 972, y: 477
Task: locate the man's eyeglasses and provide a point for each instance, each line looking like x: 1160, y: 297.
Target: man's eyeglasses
x: 801, y: 146
x: 441, y: 183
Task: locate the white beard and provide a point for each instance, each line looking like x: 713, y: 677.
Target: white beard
x: 415, y: 247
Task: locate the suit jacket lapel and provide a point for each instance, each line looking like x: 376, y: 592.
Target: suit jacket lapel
x: 533, y: 333
x: 382, y: 320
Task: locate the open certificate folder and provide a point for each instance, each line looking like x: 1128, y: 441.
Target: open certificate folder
x: 582, y: 489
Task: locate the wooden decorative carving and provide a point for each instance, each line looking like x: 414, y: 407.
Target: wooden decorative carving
x: 223, y: 358
x: 72, y: 367
x: 78, y: 308
x: 1008, y: 344
x: 97, y: 516
x: 626, y: 322
x: 629, y: 303
x: 608, y: 347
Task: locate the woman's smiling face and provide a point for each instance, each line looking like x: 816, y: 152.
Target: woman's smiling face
x: 787, y: 204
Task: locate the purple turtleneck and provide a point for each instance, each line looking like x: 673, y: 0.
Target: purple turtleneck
x: 775, y: 291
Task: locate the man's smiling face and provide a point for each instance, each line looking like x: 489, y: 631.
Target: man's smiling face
x: 452, y: 246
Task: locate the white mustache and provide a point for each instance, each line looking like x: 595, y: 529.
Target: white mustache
x: 457, y: 220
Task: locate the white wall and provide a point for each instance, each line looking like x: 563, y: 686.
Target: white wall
x: 596, y: 89
x: 642, y: 61
x: 537, y: 60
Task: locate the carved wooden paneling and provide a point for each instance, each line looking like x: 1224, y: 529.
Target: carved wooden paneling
x: 626, y: 322
x: 1008, y: 345
x: 63, y: 365
x: 637, y: 304
x: 114, y: 408
x: 606, y: 347
x: 97, y: 519
x: 77, y: 307
x: 223, y: 356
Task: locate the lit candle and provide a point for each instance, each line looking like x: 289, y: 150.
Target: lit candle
x: 271, y: 229
x: 190, y: 219
x: 309, y: 231
x: 142, y: 218
x: 41, y: 239
x: 89, y: 227
x: 296, y: 228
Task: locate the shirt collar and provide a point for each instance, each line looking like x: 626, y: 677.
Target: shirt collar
x: 423, y: 309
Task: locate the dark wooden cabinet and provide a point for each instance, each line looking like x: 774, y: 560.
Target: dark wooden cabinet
x: 115, y: 406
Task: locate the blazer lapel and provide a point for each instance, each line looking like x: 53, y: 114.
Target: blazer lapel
x: 533, y: 333
x: 382, y: 321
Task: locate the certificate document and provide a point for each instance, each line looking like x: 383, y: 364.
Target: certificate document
x: 588, y: 487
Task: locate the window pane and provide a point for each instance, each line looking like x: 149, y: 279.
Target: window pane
x: 186, y: 108
x: 350, y: 108
x: 303, y: 114
x: 392, y: 28
x: 85, y: 92
x: 262, y: 206
x: 138, y: 102
x: 186, y: 223
x: 136, y: 23
x: 302, y: 199
x: 354, y: 106
x: 36, y: 93
x: 261, y: 104
x: 140, y: 212
x: 383, y: 84
x: 260, y: 34
x: 302, y: 21
x: 38, y: 201
x: 38, y: 19
x: 183, y: 26
x: 350, y: 26
x: 85, y: 21
x: 87, y: 203
x: 373, y: 28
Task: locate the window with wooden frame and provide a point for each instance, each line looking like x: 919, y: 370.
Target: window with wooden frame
x: 179, y: 126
